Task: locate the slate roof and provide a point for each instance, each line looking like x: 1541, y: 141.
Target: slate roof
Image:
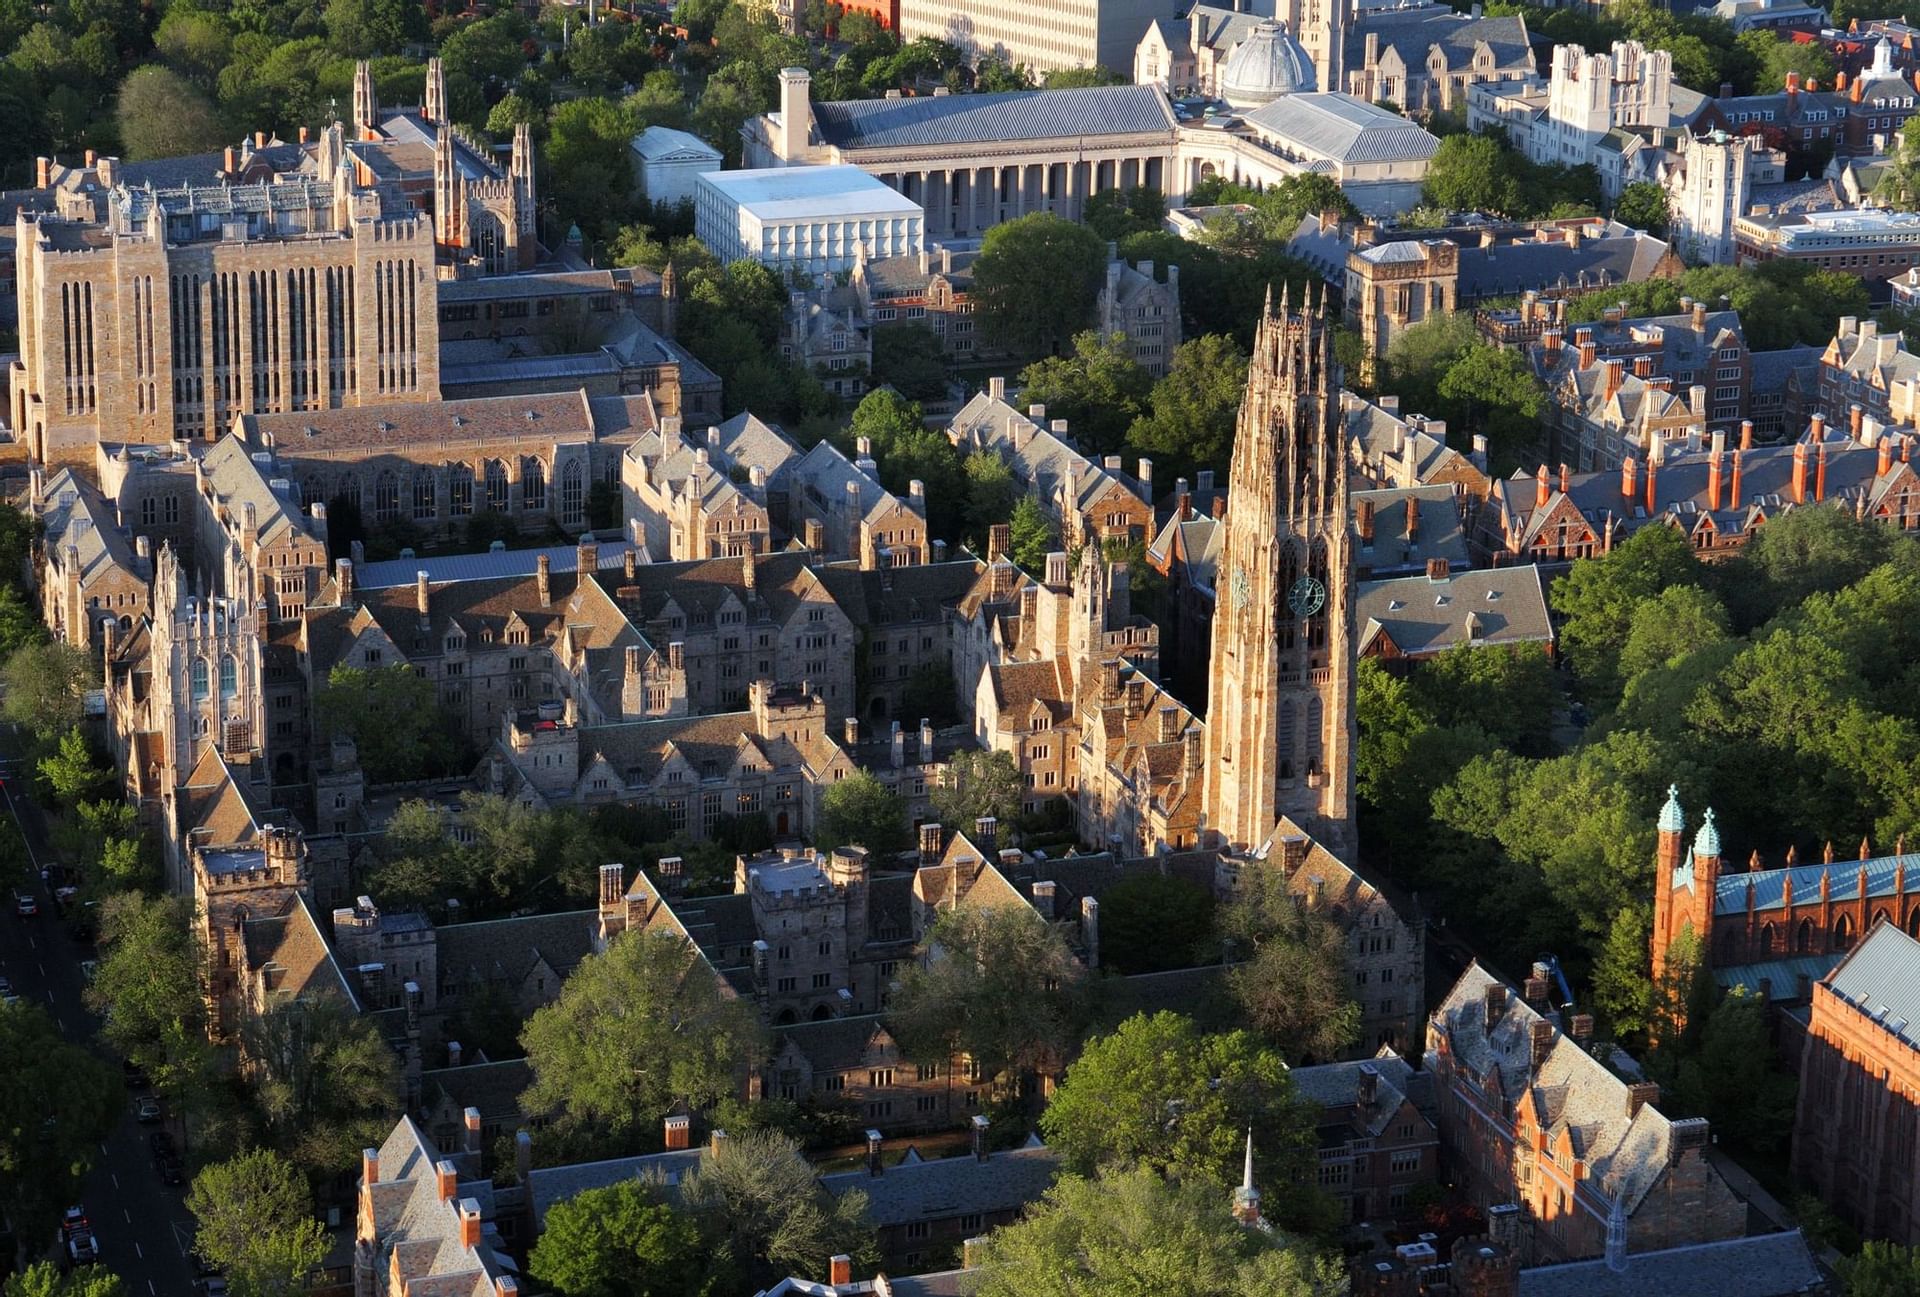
x: 1768, y: 886
x: 417, y: 1232
x: 1439, y: 533
x: 508, y: 949
x: 1765, y: 1265
x: 1411, y: 33
x: 296, y: 943
x: 86, y: 522
x: 1342, y: 128
x: 1781, y: 976
x: 539, y: 418
x: 238, y: 481
x: 549, y: 1185
x: 447, y: 569
x: 947, y: 120
x: 952, y: 1186
x: 1336, y: 1086
x: 1880, y: 977
x: 1768, y: 371
x: 834, y: 1045
x: 1572, y: 1091
x: 493, y: 1088
x: 1422, y: 616
x: 1515, y: 267
x: 660, y: 142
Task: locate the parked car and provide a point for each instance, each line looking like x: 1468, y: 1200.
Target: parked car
x: 26, y: 905
x: 171, y: 1169
x: 213, y: 1286
x: 133, y: 1076
x: 74, y: 1220
x: 146, y: 1109
x: 82, y: 1248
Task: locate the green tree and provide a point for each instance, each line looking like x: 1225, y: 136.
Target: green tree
x: 658, y: 101
x: 1797, y: 554
x: 1774, y: 59
x: 1509, y: 692
x: 991, y: 496
x: 861, y: 811
x: 1158, y: 1094
x: 912, y: 360
x: 394, y: 718
x: 978, y: 784
x: 884, y: 417
x: 734, y: 94
x: 325, y: 1081
x: 1643, y: 206
x: 1151, y: 922
x: 418, y: 864
x: 1133, y: 1234
x: 1420, y: 356
x: 997, y: 984
x: 1116, y: 213
x: 1473, y: 173
x: 1492, y: 390
x: 58, y: 1104
x: 767, y: 1216
x: 589, y: 167
x: 486, y: 53
x: 1597, y: 597
x: 359, y: 29
x: 19, y: 624
x: 254, y: 1219
x: 148, y: 987
x: 996, y: 74
x: 43, y: 1279
x: 637, y: 1029
x: 46, y: 688
x: 1191, y: 412
x: 1621, y: 986
x: 1079, y: 78
x: 162, y: 115
x: 70, y: 770
x: 621, y: 1241
x: 1669, y: 627
x: 1290, y: 974
x: 1881, y: 1270
x: 1100, y: 389
x: 1033, y: 534
x: 1731, y: 1079
x: 1035, y: 281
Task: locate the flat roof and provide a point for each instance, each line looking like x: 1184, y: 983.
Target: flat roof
x: 807, y: 193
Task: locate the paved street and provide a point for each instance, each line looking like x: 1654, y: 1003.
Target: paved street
x: 142, y: 1225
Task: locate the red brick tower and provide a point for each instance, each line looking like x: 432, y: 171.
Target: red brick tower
x: 1668, y: 858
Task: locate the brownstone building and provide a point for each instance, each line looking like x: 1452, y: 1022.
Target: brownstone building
x: 1854, y: 1133
x: 1376, y: 1143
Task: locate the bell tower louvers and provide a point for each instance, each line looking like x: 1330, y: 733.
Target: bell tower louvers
x: 1280, y: 728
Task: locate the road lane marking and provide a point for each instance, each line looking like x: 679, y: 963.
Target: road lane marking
x: 114, y: 1178
x: 127, y: 1214
x: 152, y: 1289
x: 137, y: 1252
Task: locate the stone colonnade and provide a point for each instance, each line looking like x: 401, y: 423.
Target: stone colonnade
x: 964, y: 202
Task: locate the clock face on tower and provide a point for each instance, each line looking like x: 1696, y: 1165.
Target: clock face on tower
x: 1306, y: 597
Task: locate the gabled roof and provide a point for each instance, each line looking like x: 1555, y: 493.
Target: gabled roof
x: 945, y: 120
x: 1412, y: 34
x: 81, y: 517
x: 1765, y: 1265
x: 952, y: 1186
x: 1880, y: 977
x: 506, y: 950
x: 293, y: 953
x: 1506, y: 605
x: 1342, y: 128
x: 665, y: 144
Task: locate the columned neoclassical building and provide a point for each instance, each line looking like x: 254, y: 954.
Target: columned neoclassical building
x: 972, y: 161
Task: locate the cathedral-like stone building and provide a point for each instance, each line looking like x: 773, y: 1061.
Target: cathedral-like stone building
x: 1280, y: 731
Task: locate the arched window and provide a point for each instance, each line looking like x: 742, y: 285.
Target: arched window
x: 1766, y: 941
x: 1843, y: 933
x: 572, y: 492
x: 229, y: 676
x: 1913, y: 922
x: 1880, y: 914
x: 350, y: 489
x: 1316, y: 721
x: 386, y: 496
x: 1287, y: 748
x: 199, y: 679
x: 1727, y: 948
x: 1803, y: 938
x: 424, y: 506
x: 460, y: 489
x: 496, y: 486
x: 533, y: 484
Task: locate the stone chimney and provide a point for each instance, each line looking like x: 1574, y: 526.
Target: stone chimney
x: 977, y: 1126
x: 543, y: 577
x: 421, y: 602
x: 932, y: 843
x: 472, y: 1127
x: 1090, y: 929
x: 874, y: 1166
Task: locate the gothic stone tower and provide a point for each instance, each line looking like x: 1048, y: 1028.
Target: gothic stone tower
x: 1280, y: 731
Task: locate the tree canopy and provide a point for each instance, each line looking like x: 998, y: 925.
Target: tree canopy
x: 1035, y: 281
x: 997, y: 984
x: 394, y: 718
x: 1781, y: 303
x: 59, y: 1102
x: 1099, y: 389
x: 326, y: 1082
x: 1290, y: 977
x: 766, y: 1216
x: 637, y: 1029
x: 623, y: 1240
x: 254, y: 1219
x: 1133, y: 1234
x: 861, y: 811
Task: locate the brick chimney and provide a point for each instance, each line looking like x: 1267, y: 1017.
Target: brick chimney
x: 1629, y: 478
x: 1855, y: 416
x: 1413, y: 518
x: 471, y: 1128
x: 679, y: 1132
x: 1820, y: 471
x: 1653, y: 475
x: 1713, y: 479
x: 1734, y: 503
x: 1885, y: 463
x: 1540, y: 1034
x: 421, y: 603
x: 1640, y: 1094
x: 840, y: 1270
x: 1496, y: 1004
x: 469, y: 1223
x: 1542, y: 492
x: 1365, y: 508
x: 446, y: 1179
x: 873, y: 1153
x: 1616, y: 369
x: 1800, y: 472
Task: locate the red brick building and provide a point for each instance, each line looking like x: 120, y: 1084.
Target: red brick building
x: 1376, y: 1145
x: 1528, y: 1118
x: 1763, y: 916
x: 1854, y: 1136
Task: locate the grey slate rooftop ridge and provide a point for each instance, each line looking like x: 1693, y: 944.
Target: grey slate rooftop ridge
x: 978, y: 119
